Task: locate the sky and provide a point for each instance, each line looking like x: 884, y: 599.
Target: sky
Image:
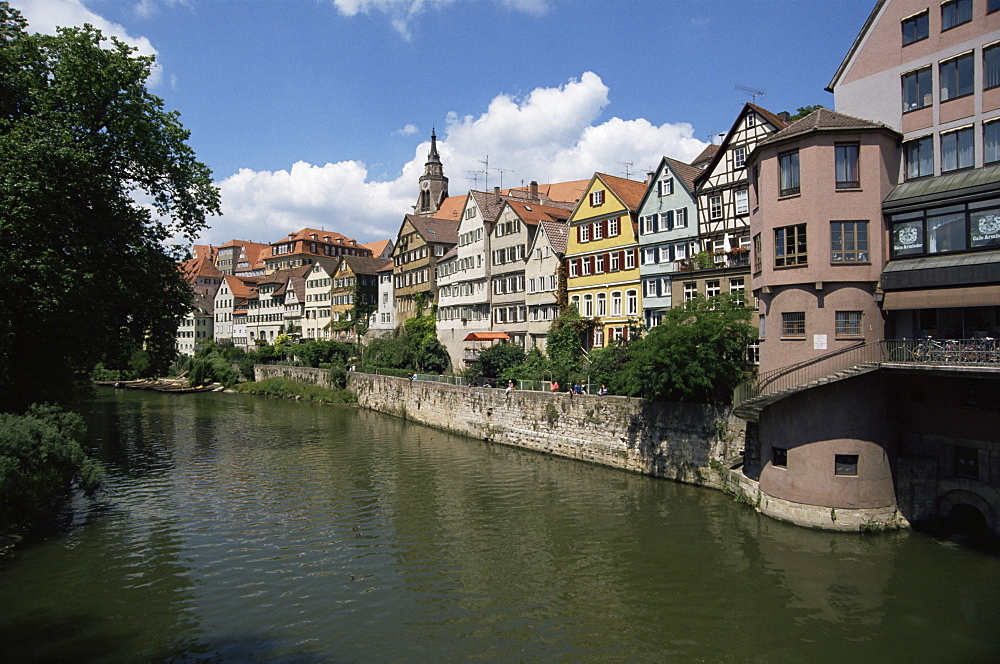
x: 318, y: 113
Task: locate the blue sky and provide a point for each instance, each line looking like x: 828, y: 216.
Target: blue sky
x: 318, y: 112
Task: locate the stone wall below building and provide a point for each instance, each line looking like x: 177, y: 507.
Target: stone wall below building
x: 684, y: 442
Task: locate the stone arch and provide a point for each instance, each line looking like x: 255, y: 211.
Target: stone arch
x: 955, y: 504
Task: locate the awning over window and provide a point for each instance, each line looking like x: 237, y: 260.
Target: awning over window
x: 485, y: 336
x: 943, y: 298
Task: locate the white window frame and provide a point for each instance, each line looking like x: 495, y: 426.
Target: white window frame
x: 597, y: 198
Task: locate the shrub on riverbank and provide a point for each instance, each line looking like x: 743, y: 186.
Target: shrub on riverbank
x: 282, y: 387
x: 40, y: 460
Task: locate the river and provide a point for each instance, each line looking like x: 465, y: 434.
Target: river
x: 236, y: 528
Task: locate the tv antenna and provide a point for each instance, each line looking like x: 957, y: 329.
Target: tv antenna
x: 753, y: 92
x: 486, y: 170
x: 627, y: 165
x: 501, y: 171
x: 474, y: 176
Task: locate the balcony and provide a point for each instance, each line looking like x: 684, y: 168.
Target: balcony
x: 707, y: 261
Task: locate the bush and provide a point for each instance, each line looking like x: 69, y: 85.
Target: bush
x: 40, y: 459
x: 497, y: 359
x: 282, y: 387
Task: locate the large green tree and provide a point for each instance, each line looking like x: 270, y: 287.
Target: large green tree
x: 94, y: 177
x: 697, y: 353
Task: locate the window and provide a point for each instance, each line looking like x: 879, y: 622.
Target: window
x: 742, y: 206
x: 757, y: 263
x: 648, y: 256
x: 585, y: 233
x: 788, y: 169
x: 712, y: 288
x: 779, y: 457
x: 690, y: 290
x: 598, y: 337
x: 613, y: 261
x: 602, y: 304
x: 599, y: 264
x: 793, y: 324
x: 650, y: 285
x: 845, y: 464
x: 992, y: 6
x: 847, y: 165
x: 848, y: 324
x: 739, y: 157
x: 616, y: 303
x: 919, y: 155
x: 957, y: 78
x: 991, y: 141
x: 915, y: 28
x: 680, y: 218
x: 955, y: 13
x: 966, y: 462
x: 917, y: 89
x: 632, y: 303
x: 613, y: 228
x: 597, y: 198
x: 585, y: 266
x: 790, y: 245
x: 572, y: 268
x: 575, y: 302
x: 588, y: 305
x: 991, y: 66
x: 737, y: 288
x: 629, y: 259
x: 956, y: 150
x: 666, y: 186
x: 715, y: 207
x: 751, y: 119
x: 849, y: 241
x: 598, y: 230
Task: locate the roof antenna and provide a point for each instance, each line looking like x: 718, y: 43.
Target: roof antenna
x: 753, y: 92
x: 627, y: 165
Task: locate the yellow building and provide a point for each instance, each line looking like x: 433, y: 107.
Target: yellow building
x: 602, y: 257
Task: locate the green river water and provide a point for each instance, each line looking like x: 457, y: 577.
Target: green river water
x: 237, y: 528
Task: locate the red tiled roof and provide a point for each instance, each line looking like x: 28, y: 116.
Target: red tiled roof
x: 485, y: 336
x: 630, y: 192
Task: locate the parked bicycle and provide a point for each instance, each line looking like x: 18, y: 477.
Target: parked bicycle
x: 946, y: 351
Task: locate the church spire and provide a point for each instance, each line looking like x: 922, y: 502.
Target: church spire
x: 433, y: 183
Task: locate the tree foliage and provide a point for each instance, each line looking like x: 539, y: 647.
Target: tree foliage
x: 565, y: 345
x: 697, y: 353
x: 40, y: 459
x: 84, y: 274
x: 496, y: 359
x: 803, y: 111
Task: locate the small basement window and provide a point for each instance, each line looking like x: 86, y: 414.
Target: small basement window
x: 846, y: 464
x: 779, y: 457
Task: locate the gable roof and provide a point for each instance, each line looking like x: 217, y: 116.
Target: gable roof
x: 489, y: 204
x: 379, y: 247
x: 432, y: 229
x: 629, y: 192
x: 533, y: 213
x: 366, y: 264
x: 686, y: 172
x: 557, y: 192
x: 771, y: 118
x: 557, y: 232
x: 451, y: 208
x: 241, y: 287
x: 706, y: 156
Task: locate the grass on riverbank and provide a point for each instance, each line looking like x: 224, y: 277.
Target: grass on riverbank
x: 282, y: 387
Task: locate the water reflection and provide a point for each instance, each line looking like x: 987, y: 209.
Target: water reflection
x: 237, y: 527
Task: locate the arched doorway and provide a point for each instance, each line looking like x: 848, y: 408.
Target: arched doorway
x: 968, y: 515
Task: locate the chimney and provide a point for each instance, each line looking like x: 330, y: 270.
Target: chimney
x: 496, y: 194
x: 784, y: 115
x: 649, y: 177
x: 533, y: 188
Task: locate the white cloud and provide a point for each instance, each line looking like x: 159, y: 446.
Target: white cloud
x: 402, y: 12
x: 550, y: 136
x: 46, y: 15
x: 408, y: 130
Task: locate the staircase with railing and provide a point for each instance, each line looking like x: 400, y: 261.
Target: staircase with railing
x: 753, y: 395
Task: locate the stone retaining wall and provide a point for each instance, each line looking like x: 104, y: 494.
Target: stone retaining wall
x: 683, y: 442
x: 306, y: 375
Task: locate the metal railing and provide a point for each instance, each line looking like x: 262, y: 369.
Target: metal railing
x: 952, y: 352
x: 982, y: 352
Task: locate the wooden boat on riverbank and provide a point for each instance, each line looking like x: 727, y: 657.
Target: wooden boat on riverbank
x: 160, y: 385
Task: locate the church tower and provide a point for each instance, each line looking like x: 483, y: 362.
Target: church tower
x: 433, y: 183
